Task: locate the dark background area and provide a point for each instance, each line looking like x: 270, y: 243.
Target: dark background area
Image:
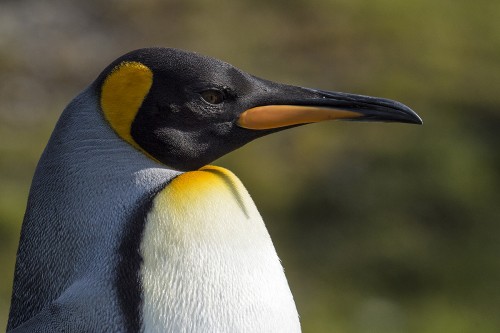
x: 380, y: 227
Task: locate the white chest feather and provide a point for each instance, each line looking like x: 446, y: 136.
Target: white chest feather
x: 209, y: 263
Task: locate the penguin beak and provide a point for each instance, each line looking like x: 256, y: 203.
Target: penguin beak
x: 324, y: 105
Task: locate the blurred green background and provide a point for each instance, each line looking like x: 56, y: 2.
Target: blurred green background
x: 381, y: 227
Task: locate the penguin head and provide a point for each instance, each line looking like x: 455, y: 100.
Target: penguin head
x: 185, y: 110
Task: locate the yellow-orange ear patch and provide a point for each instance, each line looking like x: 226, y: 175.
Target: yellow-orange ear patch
x: 122, y: 94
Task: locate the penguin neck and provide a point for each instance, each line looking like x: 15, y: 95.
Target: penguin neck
x: 97, y: 175
x: 84, y: 191
x: 208, y: 261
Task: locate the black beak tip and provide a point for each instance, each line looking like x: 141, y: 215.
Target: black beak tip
x: 413, y: 117
x: 409, y: 116
x: 394, y: 111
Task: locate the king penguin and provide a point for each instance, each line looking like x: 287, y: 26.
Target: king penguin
x: 129, y: 229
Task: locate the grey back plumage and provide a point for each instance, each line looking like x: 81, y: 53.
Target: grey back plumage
x: 82, y: 200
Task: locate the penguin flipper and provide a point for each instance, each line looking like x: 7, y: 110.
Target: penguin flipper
x: 53, y: 318
x: 78, y: 309
x: 37, y: 324
x: 59, y: 317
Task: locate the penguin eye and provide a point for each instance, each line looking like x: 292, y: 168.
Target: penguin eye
x: 212, y: 96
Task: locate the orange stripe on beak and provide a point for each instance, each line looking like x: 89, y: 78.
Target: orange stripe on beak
x: 276, y: 116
